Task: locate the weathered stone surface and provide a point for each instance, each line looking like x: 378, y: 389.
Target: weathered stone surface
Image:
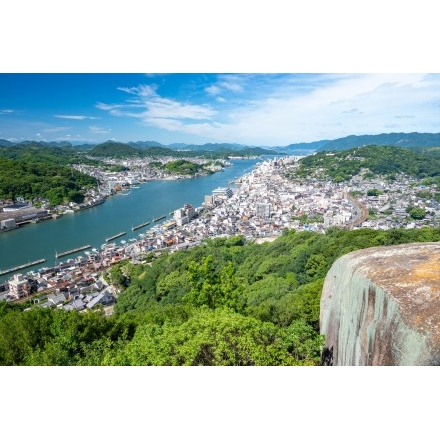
x: 381, y: 306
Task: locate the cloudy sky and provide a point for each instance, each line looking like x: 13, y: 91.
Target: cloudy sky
x: 252, y: 109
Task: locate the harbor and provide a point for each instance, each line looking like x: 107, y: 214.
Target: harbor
x: 91, y: 226
x: 72, y: 251
x: 23, y: 266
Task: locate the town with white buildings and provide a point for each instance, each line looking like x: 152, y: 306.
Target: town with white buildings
x: 259, y: 206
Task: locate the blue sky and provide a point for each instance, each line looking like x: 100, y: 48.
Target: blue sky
x: 252, y: 109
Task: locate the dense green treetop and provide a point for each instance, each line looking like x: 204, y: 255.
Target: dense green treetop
x: 30, y: 180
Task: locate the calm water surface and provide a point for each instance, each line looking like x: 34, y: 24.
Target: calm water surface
x: 118, y: 214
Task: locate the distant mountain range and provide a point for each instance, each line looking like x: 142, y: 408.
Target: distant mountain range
x: 409, y: 140
x: 119, y: 149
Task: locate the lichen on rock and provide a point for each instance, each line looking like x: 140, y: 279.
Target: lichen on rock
x: 381, y: 306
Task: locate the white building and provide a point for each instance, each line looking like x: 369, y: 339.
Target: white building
x: 19, y: 286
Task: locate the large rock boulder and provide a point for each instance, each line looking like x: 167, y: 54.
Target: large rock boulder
x: 381, y: 306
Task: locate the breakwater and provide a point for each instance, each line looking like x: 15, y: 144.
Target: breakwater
x: 22, y: 266
x: 140, y: 226
x: 72, y: 251
x: 158, y: 218
x: 114, y: 237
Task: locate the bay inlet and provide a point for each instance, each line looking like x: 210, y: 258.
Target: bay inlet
x: 118, y: 214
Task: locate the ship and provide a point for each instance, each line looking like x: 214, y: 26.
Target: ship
x: 115, y: 236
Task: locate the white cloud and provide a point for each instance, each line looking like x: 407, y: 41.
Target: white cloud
x: 143, y: 90
x: 76, y: 117
x: 232, y: 83
x: 283, y: 109
x: 55, y: 129
x: 213, y: 90
x: 154, y: 110
x: 6, y: 111
x: 99, y: 130
x: 348, y: 104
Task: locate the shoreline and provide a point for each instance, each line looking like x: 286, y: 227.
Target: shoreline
x: 102, y: 198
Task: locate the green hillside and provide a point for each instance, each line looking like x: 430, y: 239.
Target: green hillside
x: 383, y: 160
x: 392, y: 139
x: 31, y: 171
x: 222, y: 303
x: 113, y: 149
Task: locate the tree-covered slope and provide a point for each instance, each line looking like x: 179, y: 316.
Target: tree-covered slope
x: 39, y: 179
x: 222, y: 303
x: 113, y: 149
x: 383, y: 160
x: 393, y: 139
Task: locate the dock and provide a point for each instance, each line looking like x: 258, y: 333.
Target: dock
x: 23, y: 266
x: 140, y: 226
x: 115, y: 236
x: 72, y: 251
x: 158, y: 218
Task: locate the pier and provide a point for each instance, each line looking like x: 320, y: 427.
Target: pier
x: 115, y: 236
x: 63, y: 254
x: 158, y: 218
x: 140, y: 226
x: 23, y: 266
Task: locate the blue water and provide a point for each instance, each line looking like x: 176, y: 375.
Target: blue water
x: 118, y: 214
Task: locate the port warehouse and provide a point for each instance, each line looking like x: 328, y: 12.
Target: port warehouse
x: 10, y: 218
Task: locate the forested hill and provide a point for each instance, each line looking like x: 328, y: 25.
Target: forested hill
x: 409, y: 140
x: 222, y: 303
x: 32, y: 171
x: 383, y: 160
x: 114, y: 149
x: 118, y: 149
